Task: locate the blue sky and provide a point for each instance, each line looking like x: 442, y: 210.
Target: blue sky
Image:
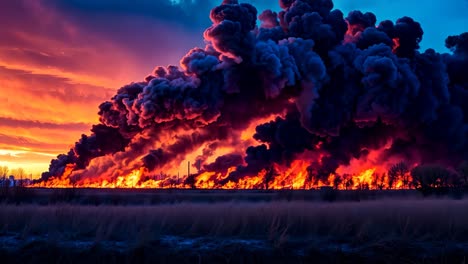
x: 438, y: 18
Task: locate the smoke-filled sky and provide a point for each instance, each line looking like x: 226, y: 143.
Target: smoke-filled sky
x: 59, y: 59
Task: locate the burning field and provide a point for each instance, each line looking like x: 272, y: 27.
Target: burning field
x: 299, y: 99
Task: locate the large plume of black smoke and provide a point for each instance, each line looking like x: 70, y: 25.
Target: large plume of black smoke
x: 348, y: 86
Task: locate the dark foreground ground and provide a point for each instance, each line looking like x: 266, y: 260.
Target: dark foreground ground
x: 190, y: 226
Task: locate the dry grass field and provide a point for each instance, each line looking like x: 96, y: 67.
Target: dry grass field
x: 384, y: 230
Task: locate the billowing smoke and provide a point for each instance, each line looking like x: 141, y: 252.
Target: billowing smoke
x: 335, y: 88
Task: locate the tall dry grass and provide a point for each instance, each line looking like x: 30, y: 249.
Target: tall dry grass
x: 364, y: 222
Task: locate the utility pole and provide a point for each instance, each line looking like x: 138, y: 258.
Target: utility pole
x: 188, y: 169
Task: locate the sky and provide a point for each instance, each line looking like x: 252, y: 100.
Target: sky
x: 59, y: 59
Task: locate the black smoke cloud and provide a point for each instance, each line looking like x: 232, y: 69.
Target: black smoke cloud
x: 346, y: 85
x: 223, y: 163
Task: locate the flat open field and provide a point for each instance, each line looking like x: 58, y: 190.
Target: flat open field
x: 194, y: 226
x: 93, y: 196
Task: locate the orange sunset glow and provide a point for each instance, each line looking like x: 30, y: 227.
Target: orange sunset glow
x: 54, y: 73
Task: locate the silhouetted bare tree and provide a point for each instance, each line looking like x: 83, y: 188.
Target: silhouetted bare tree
x: 379, y: 180
x: 4, y: 171
x: 19, y: 174
x: 4, y: 174
x: 348, y: 181
x: 337, y: 182
x: 430, y: 176
x: 398, y: 171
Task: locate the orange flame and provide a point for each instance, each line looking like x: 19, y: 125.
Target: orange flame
x: 296, y: 176
x: 302, y: 173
